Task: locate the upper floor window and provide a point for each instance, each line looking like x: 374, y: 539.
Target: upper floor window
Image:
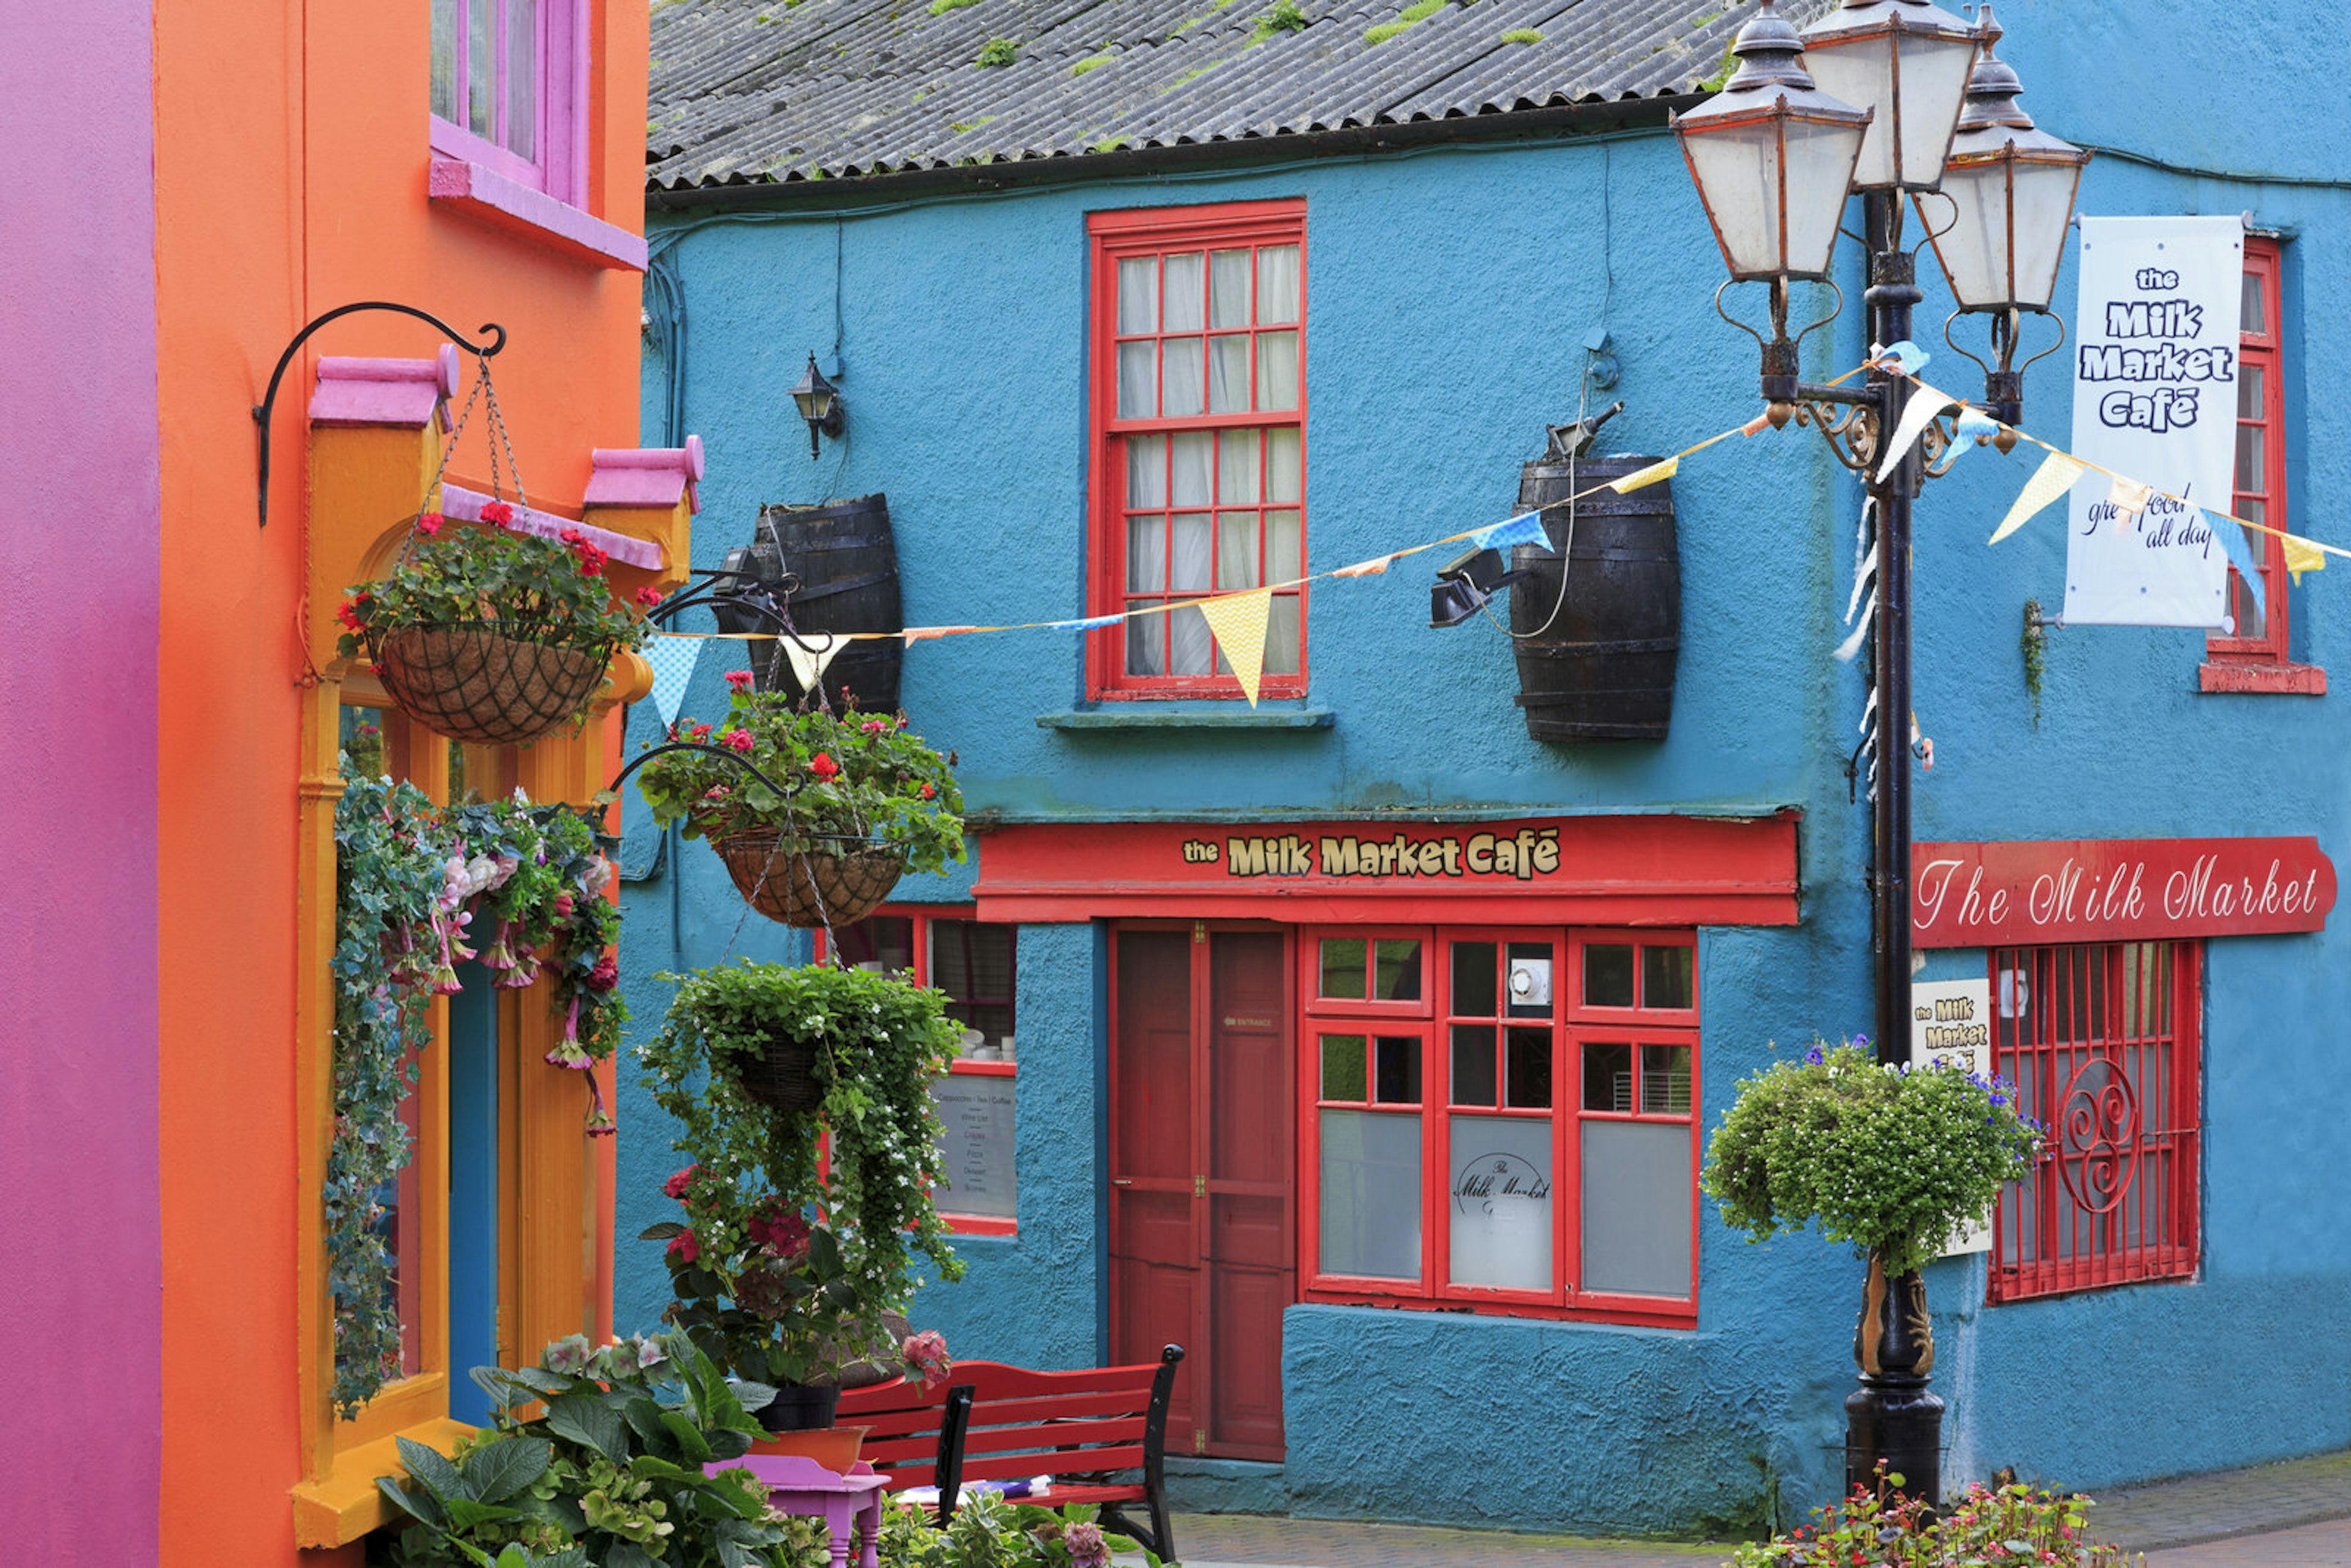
x: 2251, y: 656
x: 506, y: 89
x: 1198, y: 359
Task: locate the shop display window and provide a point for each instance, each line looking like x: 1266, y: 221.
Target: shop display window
x: 1200, y: 420
x: 2101, y: 1041
x: 1501, y: 1118
x: 973, y: 963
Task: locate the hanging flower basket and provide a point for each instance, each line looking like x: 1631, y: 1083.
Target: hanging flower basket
x: 782, y: 1077
x: 841, y: 882
x: 473, y: 683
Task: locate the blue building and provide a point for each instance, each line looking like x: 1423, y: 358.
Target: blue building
x: 1357, y: 1040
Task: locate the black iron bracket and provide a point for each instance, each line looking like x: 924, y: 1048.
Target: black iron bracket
x: 496, y: 334
x: 718, y: 751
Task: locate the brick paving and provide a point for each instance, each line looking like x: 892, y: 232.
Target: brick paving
x: 2296, y: 1515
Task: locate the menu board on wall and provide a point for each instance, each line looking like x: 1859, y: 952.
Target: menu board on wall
x: 976, y: 1142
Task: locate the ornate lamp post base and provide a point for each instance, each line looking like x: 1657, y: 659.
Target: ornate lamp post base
x: 1893, y: 1418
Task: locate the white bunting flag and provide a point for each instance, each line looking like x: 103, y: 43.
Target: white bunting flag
x: 673, y: 659
x: 807, y: 664
x: 1925, y: 404
x: 2051, y: 479
x: 2130, y: 497
x: 1239, y: 621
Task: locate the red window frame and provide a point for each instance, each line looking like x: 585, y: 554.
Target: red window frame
x: 1127, y: 234
x: 922, y: 918
x: 2260, y: 664
x: 2113, y: 1199
x: 1572, y: 1027
x: 558, y: 163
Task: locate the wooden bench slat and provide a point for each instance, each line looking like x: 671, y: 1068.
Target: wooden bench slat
x: 995, y: 1440
x: 995, y: 1380
x: 1002, y: 1467
x: 1016, y: 1412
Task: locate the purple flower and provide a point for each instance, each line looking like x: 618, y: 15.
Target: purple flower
x: 1814, y: 1057
x: 1087, y: 1548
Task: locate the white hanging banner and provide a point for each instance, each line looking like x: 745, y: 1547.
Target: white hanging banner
x: 2155, y: 401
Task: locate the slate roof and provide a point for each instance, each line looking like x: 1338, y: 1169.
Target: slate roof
x: 768, y: 92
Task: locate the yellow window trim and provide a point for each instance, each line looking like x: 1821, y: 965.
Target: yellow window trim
x: 343, y: 1504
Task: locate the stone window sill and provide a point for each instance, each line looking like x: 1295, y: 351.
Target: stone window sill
x: 2284, y: 680
x: 483, y: 193
x: 1132, y: 717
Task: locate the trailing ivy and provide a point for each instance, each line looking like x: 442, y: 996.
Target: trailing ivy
x: 415, y: 889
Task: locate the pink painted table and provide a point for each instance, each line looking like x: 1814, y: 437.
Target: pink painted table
x: 798, y: 1485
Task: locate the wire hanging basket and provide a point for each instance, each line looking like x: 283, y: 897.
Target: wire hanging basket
x: 782, y: 1077
x: 479, y: 682
x: 813, y: 882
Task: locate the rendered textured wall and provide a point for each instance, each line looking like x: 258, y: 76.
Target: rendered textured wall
x: 1448, y: 294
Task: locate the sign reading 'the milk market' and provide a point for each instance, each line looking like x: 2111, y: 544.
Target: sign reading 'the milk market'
x: 1950, y: 1023
x: 2154, y: 400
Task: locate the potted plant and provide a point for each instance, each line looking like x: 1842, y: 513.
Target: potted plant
x: 490, y: 636
x: 790, y: 1265
x: 839, y: 806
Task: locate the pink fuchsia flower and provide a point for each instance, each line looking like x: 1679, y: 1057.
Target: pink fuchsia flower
x: 739, y: 680
x: 648, y: 597
x: 677, y: 1185
x: 824, y: 767
x: 926, y: 1352
x: 497, y: 512
x: 740, y: 740
x: 782, y: 1232
x: 683, y: 1247
x: 1087, y: 1548
x: 429, y: 523
x: 567, y: 1053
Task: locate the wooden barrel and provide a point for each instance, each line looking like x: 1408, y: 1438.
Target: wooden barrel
x: 1602, y: 668
x: 847, y: 563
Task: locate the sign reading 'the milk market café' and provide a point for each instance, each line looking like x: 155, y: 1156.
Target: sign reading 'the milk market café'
x: 1950, y: 1023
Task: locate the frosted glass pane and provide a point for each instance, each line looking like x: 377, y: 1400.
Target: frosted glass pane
x: 1228, y: 289
x: 480, y: 66
x: 1636, y: 1208
x: 1237, y: 453
x: 1277, y: 369
x: 1236, y: 551
x: 1193, y: 652
x: 1371, y: 1195
x: 1146, y: 471
x: 522, y: 77
x: 1188, y: 554
x: 1974, y: 250
x: 1934, y: 74
x: 1185, y: 293
x: 1180, y: 376
x: 1820, y: 158
x: 1196, y: 452
x: 1281, y: 635
x: 444, y: 60
x: 1277, y: 284
x: 1146, y: 555
x: 2044, y: 200
x: 1501, y: 1195
x: 1739, y: 173
x: 1281, y: 555
x: 1138, y: 294
x: 1228, y: 374
x: 1281, y: 465
x: 1134, y: 377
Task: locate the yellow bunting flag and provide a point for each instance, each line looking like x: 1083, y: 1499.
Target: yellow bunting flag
x: 1641, y: 479
x: 2130, y: 496
x: 1371, y: 568
x: 2051, y: 479
x: 1917, y: 414
x: 2302, y: 556
x: 1239, y: 621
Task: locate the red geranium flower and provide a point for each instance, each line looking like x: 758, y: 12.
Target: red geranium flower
x: 348, y: 616
x: 429, y: 523
x: 675, y: 1186
x: 739, y: 680
x: 741, y: 741
x: 496, y: 512
x: 684, y: 1248
x: 929, y: 790
x: 824, y: 767
x: 649, y: 597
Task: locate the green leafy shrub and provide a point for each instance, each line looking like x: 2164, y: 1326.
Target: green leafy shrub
x: 1281, y: 17
x: 1987, y: 1528
x: 997, y: 52
x: 988, y: 1532
x: 535, y: 589
x: 1891, y: 1160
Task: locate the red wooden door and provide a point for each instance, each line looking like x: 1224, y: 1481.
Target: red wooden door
x: 1202, y: 1177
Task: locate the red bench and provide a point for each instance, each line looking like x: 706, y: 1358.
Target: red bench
x: 999, y: 1423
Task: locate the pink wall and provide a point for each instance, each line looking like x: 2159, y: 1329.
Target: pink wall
x: 80, y: 1278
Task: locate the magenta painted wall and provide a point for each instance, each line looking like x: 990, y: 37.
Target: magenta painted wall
x: 80, y: 1277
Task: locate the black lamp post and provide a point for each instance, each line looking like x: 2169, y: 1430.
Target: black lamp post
x: 1774, y: 156
x: 819, y: 402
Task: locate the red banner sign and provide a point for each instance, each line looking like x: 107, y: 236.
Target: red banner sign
x: 2107, y: 890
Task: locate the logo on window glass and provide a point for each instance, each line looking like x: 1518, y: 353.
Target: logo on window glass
x: 1495, y: 1183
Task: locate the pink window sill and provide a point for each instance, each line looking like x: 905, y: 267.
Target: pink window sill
x: 2287, y: 680
x: 506, y: 204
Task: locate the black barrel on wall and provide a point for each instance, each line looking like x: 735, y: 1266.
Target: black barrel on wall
x: 846, y: 561
x: 1602, y: 667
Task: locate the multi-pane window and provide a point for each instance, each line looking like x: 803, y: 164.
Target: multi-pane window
x: 973, y: 963
x: 1503, y: 1117
x: 2256, y: 641
x: 2101, y: 1041
x: 505, y: 90
x: 1200, y: 422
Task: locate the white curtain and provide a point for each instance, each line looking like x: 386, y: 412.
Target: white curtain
x: 1277, y: 369
x: 1277, y: 284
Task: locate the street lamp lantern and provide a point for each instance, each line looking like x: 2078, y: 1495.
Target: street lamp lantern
x: 1772, y: 156
x: 1908, y: 60
x: 819, y: 404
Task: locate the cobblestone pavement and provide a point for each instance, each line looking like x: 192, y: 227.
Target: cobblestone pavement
x: 2292, y: 1515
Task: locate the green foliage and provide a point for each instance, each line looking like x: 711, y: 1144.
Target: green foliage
x: 609, y: 1472
x: 1281, y: 17
x: 1522, y: 35
x: 780, y: 1275
x: 1891, y: 1160
x: 2034, y: 646
x: 451, y: 573
x: 853, y: 776
x: 1421, y: 11
x: 1721, y: 76
x: 1108, y: 144
x: 2010, y: 1524
x: 1383, y: 32
x: 941, y: 7
x: 987, y: 1531
x: 413, y: 883
x: 997, y: 52
x: 1092, y: 62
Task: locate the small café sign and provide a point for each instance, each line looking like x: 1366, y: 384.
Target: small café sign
x: 2107, y: 890
x: 1524, y: 854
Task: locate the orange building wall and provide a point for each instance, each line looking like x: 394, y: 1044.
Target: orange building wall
x: 290, y: 149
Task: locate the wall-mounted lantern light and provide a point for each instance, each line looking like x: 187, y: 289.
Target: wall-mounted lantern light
x: 820, y: 404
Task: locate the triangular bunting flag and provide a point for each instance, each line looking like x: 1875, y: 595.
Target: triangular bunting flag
x: 1371, y: 568
x: 673, y: 659
x: 807, y: 664
x: 1094, y: 623
x: 1757, y: 425
x: 1925, y: 404
x: 1905, y: 358
x: 2232, y: 535
x: 1526, y: 528
x: 2051, y: 479
x: 1642, y: 478
x: 2301, y: 555
x: 1239, y: 621
x: 914, y: 634
x: 2130, y: 496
